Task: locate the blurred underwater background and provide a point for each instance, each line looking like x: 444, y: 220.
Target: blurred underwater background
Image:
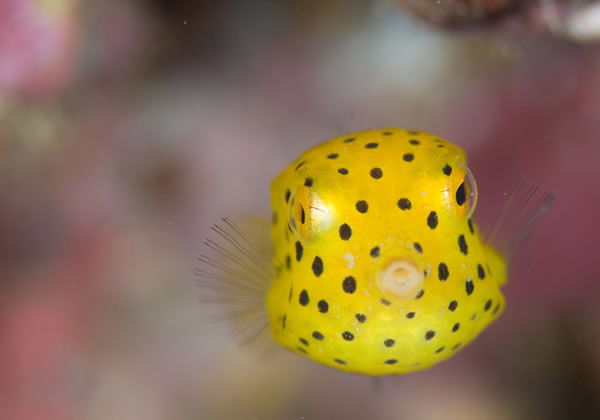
x: 128, y: 127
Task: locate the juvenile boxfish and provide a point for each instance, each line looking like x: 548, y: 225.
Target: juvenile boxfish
x: 377, y: 266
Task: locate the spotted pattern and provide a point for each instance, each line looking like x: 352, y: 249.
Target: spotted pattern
x: 323, y: 306
x: 469, y: 286
x: 432, y: 220
x: 462, y: 244
x: 362, y: 206
x: 317, y: 266
x: 361, y: 318
x: 488, y: 305
x: 342, y: 209
x: 443, y: 272
x: 348, y: 336
x: 404, y: 204
x: 299, y: 251
x: 288, y: 262
x: 480, y: 271
x: 303, y: 299
x: 349, y: 285
x: 376, y: 173
x: 452, y: 306
x: 345, y: 232
x: 374, y: 252
x: 318, y: 336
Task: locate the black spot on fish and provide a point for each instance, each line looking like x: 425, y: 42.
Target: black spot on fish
x: 432, y: 220
x: 404, y: 204
x: 488, y: 305
x: 348, y: 336
x: 462, y: 244
x: 323, y: 306
x: 362, y: 206
x: 303, y: 299
x: 376, y: 173
x: 443, y: 272
x: 469, y: 286
x: 453, y: 305
x: 360, y: 318
x: 480, y: 271
x: 317, y: 266
x: 375, y: 252
x: 345, y: 232
x: 349, y: 285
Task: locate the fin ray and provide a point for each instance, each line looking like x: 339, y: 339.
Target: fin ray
x: 522, y: 211
x: 235, y: 274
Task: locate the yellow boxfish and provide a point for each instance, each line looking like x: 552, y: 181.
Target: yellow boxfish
x: 377, y: 265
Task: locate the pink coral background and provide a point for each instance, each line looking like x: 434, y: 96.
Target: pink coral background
x: 127, y: 128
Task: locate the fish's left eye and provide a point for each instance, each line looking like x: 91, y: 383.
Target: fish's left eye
x: 308, y: 215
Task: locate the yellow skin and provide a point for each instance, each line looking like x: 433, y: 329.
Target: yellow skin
x: 372, y: 281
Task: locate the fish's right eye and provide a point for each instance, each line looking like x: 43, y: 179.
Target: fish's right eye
x: 461, y: 193
x: 308, y: 216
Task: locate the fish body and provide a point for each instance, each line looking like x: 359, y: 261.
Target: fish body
x: 382, y: 270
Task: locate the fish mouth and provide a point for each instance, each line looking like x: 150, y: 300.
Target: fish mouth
x: 400, y: 278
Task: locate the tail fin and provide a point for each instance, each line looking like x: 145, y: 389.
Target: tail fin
x: 524, y: 208
x: 235, y: 273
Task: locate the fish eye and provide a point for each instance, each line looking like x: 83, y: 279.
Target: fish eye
x: 308, y: 216
x: 461, y: 193
x: 470, y: 192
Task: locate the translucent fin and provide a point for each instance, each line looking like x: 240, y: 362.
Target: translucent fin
x: 524, y: 208
x: 235, y: 273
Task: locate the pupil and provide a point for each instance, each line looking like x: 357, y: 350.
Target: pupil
x: 460, y: 195
x: 302, y: 215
